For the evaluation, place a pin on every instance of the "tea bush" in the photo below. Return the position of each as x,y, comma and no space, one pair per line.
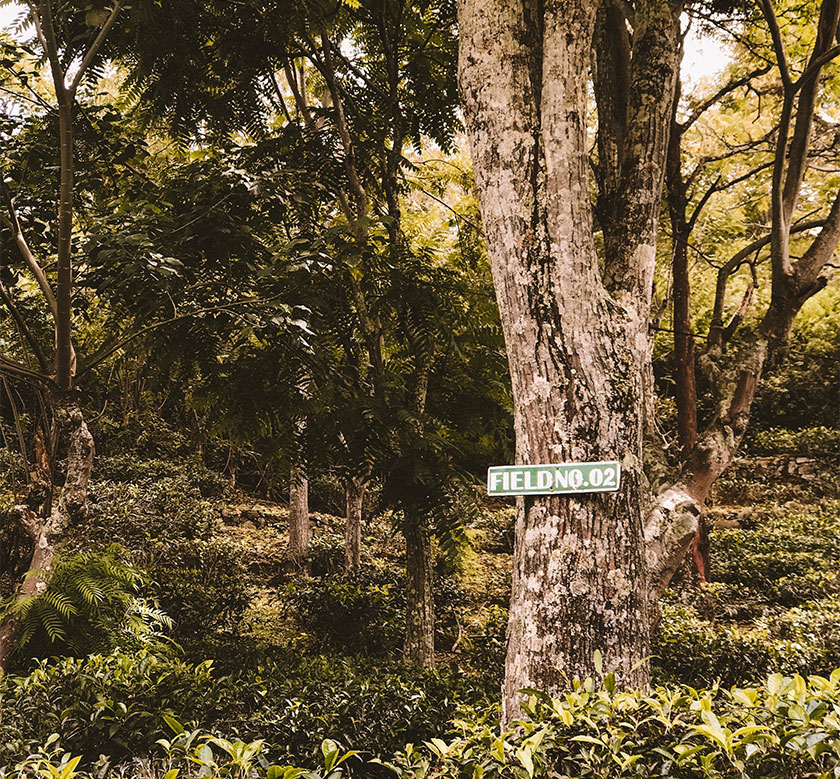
786,560
350,612
101,704
808,441
787,727
169,509
364,611
200,584
114,704
700,652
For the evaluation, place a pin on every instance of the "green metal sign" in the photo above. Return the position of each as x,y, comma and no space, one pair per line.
553,479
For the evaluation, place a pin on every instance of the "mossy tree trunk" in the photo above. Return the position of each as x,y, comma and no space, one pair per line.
354,493
419,598
49,531
588,570
300,527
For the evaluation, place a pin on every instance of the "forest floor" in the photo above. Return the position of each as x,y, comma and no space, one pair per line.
772,598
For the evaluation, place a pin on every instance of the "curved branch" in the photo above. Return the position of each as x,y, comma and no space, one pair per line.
720,94
733,263
6,297
13,223
95,46
15,368
778,44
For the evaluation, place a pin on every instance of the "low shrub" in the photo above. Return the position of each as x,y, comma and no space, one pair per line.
169,509
129,468
353,612
497,530
701,652
103,704
114,704
785,728
786,560
200,584
809,441
363,612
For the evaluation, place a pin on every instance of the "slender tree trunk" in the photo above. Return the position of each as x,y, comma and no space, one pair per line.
419,599
50,532
300,528
354,493
684,374
685,380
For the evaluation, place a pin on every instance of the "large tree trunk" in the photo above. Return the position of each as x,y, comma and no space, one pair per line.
50,532
419,599
577,343
300,528
354,493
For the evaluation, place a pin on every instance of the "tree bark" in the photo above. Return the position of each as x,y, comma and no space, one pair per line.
578,351
586,576
300,528
685,380
354,493
50,532
419,598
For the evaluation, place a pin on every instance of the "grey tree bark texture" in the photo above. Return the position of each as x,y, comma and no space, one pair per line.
354,493
419,596
577,337
300,527
589,570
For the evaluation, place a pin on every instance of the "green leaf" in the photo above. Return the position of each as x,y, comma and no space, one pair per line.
175,726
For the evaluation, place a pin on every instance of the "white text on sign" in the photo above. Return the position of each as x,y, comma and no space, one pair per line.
553,479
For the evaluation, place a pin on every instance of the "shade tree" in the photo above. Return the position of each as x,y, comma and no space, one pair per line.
588,569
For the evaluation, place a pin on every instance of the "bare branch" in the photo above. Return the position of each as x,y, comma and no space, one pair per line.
735,262
720,94
95,46
300,103
356,186
821,250
778,44
15,368
281,99
46,35
739,315
701,205
806,106
816,65
13,223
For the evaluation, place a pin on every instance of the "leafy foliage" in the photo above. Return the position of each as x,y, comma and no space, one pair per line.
782,728
201,585
363,612
90,601
115,704
786,727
